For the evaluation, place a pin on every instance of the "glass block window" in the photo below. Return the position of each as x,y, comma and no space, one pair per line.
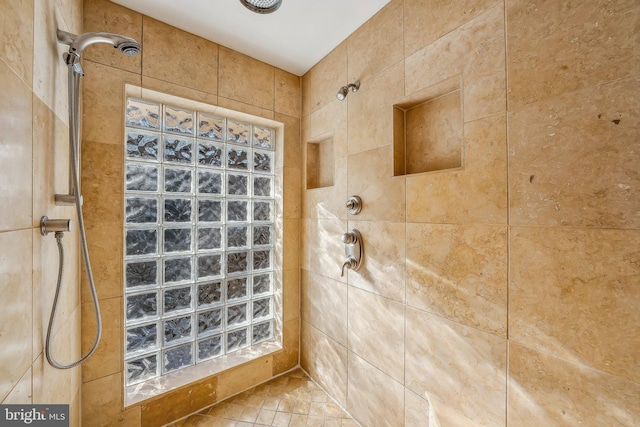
199,237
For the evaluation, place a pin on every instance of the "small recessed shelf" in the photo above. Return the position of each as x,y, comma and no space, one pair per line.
320,168
428,130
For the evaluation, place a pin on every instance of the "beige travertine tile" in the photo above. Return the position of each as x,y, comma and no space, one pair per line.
442,415
161,42
324,305
21,393
416,410
243,107
107,359
16,36
476,50
178,90
288,93
289,356
562,46
102,401
330,119
476,194
325,360
443,358
245,79
71,13
460,273
373,397
377,44
244,376
292,193
376,332
103,103
574,294
105,243
106,16
370,115
371,178
102,171
573,158
544,390
291,297
15,143
287,252
322,247
442,17
16,315
327,202
322,81
383,269
292,156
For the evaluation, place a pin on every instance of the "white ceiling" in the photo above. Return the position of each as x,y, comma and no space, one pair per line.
295,37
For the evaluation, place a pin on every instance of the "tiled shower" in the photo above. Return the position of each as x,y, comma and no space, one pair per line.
501,283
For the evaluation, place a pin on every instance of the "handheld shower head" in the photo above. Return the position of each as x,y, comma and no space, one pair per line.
78,43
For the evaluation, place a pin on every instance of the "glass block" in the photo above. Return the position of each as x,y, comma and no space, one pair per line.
178,150
262,186
237,158
141,338
209,321
237,262
178,328
262,332
142,369
209,265
261,284
238,132
262,162
261,307
177,240
209,210
237,288
177,180
209,293
237,237
177,120
177,210
142,114
262,211
261,260
177,270
211,127
209,182
142,178
210,154
237,210
141,273
141,242
178,357
236,340
209,238
262,137
177,299
142,145
237,185
261,235
140,210
236,314
210,347
142,305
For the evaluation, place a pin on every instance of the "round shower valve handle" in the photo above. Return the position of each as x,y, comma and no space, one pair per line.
348,238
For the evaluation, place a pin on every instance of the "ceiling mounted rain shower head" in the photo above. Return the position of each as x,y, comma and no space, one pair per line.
262,6
344,90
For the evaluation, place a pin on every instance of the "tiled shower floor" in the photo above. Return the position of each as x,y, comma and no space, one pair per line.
291,400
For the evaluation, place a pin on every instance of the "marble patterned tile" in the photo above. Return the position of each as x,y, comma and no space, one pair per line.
416,410
244,107
105,246
288,358
463,367
544,390
21,393
322,81
442,415
288,93
373,397
562,46
292,149
245,79
322,247
240,378
574,294
108,357
324,305
178,90
102,184
573,158
376,332
16,33
460,273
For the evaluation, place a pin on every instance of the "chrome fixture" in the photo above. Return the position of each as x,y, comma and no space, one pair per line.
262,6
353,250
344,90
354,205
77,43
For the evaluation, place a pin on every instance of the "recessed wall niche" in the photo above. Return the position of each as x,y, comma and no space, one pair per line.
320,163
428,130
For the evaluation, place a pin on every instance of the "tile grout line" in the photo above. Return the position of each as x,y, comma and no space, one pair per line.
508,260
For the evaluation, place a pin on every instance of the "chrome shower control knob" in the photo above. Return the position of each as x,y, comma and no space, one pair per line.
354,205
348,238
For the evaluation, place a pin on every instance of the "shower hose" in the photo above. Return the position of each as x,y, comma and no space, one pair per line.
74,81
